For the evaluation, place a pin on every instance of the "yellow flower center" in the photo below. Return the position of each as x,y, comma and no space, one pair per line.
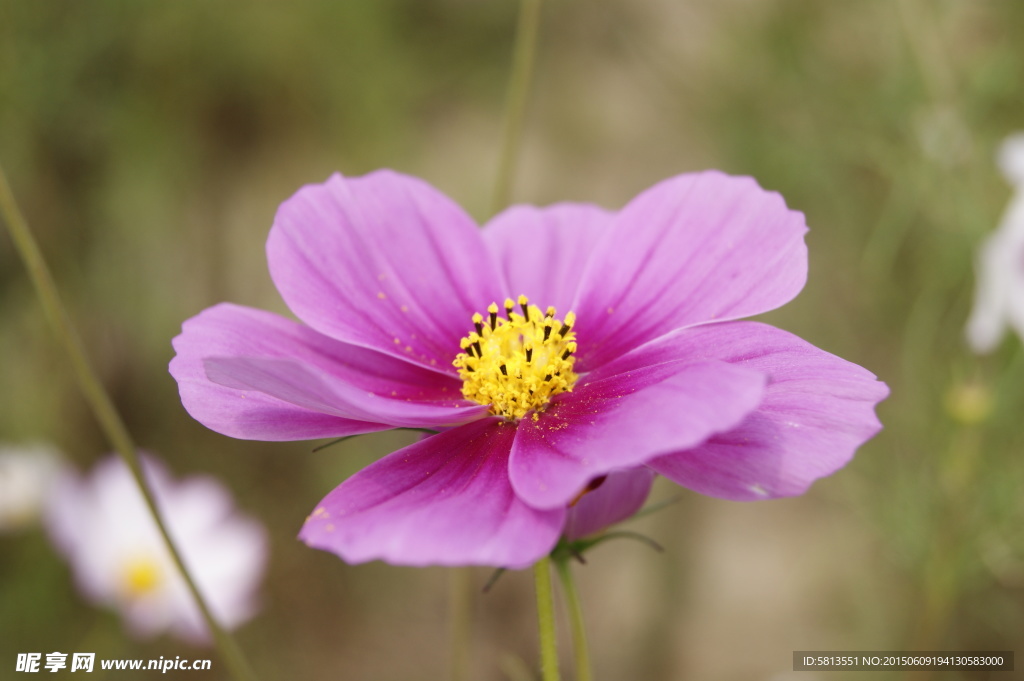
516,364
141,575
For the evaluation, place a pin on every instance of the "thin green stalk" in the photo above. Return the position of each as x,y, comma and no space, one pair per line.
580,649
102,407
546,620
515,112
515,107
460,605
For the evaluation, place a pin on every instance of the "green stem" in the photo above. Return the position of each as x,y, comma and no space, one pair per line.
460,604
546,620
102,406
515,108
460,589
581,650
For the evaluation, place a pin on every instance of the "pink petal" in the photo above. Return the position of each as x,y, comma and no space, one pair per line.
543,251
817,410
383,261
622,494
692,249
232,331
625,420
301,385
445,500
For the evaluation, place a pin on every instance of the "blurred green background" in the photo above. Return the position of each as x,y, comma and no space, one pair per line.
150,144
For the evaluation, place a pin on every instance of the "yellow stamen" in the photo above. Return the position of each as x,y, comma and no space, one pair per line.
141,575
517,364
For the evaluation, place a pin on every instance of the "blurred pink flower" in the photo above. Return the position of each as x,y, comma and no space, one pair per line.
415,318
999,294
103,527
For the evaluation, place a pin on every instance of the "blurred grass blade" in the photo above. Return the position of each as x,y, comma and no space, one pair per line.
102,406
515,108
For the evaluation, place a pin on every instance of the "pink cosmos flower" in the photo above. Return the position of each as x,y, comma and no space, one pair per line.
553,347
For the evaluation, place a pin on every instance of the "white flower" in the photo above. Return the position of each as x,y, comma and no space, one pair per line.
999,296
26,472
103,527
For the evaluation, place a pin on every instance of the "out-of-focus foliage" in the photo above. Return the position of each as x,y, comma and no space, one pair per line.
150,144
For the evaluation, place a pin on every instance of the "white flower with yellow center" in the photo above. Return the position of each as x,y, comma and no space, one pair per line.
103,527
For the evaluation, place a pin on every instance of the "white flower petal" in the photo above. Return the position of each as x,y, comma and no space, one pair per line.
26,472
101,524
999,293
1010,158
